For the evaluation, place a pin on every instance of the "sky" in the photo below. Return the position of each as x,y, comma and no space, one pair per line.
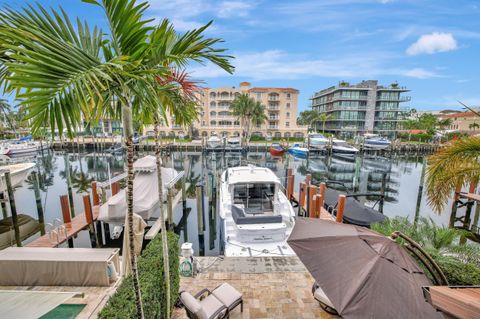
430,46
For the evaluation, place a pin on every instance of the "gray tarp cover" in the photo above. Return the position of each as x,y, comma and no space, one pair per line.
364,274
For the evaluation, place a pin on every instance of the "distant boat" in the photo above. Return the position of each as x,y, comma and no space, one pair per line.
27,226
214,142
18,173
276,149
145,192
375,142
233,143
257,216
297,150
317,141
115,148
340,146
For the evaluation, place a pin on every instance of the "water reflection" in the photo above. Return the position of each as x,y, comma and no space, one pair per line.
399,176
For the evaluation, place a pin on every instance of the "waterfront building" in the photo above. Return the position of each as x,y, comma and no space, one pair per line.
464,122
366,107
215,116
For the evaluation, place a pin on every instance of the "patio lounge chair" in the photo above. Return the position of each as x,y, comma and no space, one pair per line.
212,304
322,298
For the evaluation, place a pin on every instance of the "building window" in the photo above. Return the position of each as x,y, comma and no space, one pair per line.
288,105
288,96
287,124
288,115
259,96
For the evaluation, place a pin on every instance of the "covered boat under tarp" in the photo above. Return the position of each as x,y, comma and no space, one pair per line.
355,212
145,192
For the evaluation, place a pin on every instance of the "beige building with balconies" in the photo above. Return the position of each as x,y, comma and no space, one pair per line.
215,116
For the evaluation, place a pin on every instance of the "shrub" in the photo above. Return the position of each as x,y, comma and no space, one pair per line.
458,272
150,268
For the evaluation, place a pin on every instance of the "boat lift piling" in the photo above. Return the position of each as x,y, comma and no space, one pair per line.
301,197
13,208
67,218
89,218
100,230
312,191
290,183
38,202
199,192
382,192
453,214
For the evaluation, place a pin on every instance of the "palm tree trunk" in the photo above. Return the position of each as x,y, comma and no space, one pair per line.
128,133
323,127
166,261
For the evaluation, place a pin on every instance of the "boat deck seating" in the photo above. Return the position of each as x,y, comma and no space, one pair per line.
241,218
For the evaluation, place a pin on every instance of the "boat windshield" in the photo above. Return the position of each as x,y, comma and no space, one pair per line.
317,136
342,144
256,198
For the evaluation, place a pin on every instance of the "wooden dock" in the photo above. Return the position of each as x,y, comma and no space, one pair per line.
458,302
72,228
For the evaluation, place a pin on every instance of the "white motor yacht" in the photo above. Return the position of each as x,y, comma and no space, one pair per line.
257,216
214,142
317,141
375,142
233,143
342,147
18,173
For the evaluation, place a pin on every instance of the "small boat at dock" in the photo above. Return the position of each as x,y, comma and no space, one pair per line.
342,147
18,173
298,151
276,149
233,144
317,142
257,216
214,142
375,142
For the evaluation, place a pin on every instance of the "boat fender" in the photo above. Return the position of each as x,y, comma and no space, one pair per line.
186,267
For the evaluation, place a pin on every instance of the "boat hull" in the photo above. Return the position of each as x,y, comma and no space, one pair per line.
276,151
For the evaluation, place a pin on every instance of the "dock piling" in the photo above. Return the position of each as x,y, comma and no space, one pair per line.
340,208
89,218
38,202
301,197
311,191
13,208
67,217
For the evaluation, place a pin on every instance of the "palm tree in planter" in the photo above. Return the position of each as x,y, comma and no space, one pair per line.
60,72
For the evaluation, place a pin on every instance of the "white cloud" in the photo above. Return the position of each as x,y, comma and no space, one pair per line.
277,64
227,9
433,43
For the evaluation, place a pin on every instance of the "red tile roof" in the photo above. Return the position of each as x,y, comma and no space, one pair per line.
461,114
278,89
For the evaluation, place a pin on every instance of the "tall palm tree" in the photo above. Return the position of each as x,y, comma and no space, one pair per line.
323,118
456,164
248,111
5,109
60,72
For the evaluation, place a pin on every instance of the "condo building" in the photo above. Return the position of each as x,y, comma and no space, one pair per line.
361,108
215,116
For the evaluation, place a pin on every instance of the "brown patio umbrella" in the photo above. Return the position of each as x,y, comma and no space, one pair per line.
363,273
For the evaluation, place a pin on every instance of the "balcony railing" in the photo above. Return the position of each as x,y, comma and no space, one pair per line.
273,118
399,99
274,108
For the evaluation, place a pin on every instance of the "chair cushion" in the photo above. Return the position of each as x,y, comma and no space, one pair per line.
190,302
209,306
227,294
322,297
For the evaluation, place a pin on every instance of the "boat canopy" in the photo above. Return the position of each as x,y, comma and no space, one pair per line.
250,175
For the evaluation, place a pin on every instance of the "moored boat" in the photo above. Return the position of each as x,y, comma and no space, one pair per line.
297,150
276,149
18,173
375,142
257,216
214,142
316,141
233,143
342,147
27,226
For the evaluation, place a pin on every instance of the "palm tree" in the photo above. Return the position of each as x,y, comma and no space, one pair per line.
456,164
5,109
311,118
258,116
323,118
241,107
60,72
473,126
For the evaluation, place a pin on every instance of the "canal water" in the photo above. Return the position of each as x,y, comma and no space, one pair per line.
361,174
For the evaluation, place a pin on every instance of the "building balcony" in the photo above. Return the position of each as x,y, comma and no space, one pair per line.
272,127
274,108
274,98
274,118
393,99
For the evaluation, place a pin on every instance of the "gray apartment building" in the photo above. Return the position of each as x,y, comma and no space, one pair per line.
361,108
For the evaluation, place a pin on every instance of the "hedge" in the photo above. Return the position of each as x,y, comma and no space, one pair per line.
457,272
150,268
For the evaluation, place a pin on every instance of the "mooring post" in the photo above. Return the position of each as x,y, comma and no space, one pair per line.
340,208
200,218
67,218
13,208
38,202
308,179
89,218
115,188
319,204
169,209
468,212
95,197
98,224
382,191
290,185
323,187
301,197
453,214
312,191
